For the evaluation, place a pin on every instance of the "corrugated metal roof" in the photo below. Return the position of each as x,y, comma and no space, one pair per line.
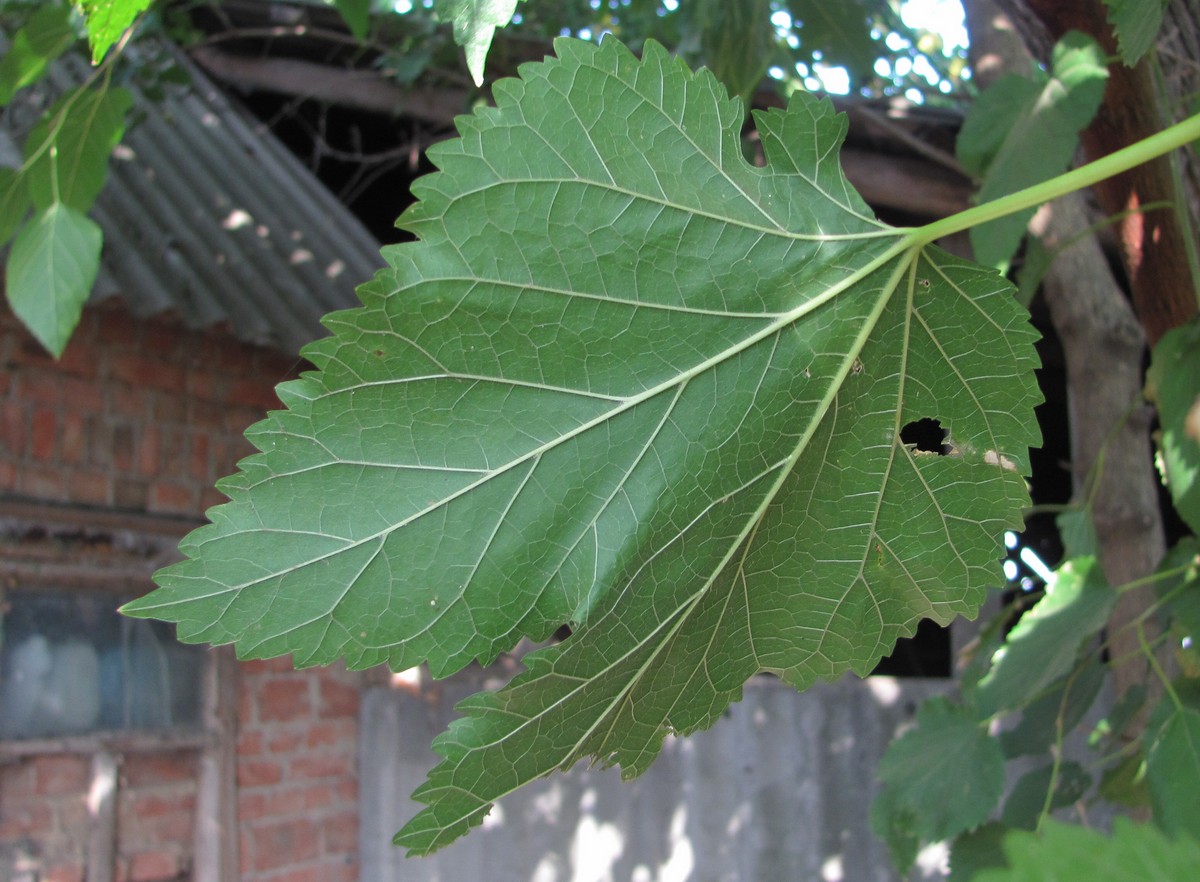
207,214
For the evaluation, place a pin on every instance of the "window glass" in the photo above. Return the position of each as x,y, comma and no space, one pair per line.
70,665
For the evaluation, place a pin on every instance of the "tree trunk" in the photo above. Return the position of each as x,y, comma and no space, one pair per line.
1104,347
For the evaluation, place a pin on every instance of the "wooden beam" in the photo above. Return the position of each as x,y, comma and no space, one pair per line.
102,817
215,855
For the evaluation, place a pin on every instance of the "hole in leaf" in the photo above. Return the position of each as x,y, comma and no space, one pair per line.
926,436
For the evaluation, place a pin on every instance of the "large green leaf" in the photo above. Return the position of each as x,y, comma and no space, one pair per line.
1025,130
625,380
51,268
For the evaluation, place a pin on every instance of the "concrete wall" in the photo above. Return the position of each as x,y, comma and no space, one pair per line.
778,791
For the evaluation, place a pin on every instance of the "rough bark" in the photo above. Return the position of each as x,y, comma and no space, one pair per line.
1154,244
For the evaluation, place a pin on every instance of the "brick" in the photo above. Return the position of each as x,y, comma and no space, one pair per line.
206,417
170,409
27,350
43,433
90,488
336,870
79,358
253,393
41,387
251,806
202,385
12,429
325,765
156,769
58,775
16,781
301,800
258,773
82,396
118,330
338,699
154,866
285,742
173,460
47,483
172,498
260,667
340,833
142,371
133,403
164,341
131,494
122,451
63,873
282,844
149,448
210,497
199,463
72,440
8,476
250,743
156,803
331,732
26,818
284,700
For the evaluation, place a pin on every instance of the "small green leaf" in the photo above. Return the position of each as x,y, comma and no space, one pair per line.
1125,783
1181,589
1068,701
356,14
1070,853
14,203
50,272
45,37
1023,131
1044,645
897,827
1136,24
1173,384
1128,705
67,151
1027,803
948,773
1173,773
1075,526
839,33
738,41
107,20
977,850
475,23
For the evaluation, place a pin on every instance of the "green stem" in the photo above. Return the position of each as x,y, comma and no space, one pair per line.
1085,176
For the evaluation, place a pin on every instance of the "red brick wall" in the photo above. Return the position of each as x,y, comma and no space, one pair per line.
137,415
297,773
145,416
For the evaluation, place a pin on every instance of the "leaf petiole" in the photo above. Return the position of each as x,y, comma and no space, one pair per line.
1085,176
